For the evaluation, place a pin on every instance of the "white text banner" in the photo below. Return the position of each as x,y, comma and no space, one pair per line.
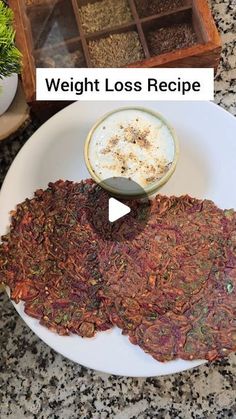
125,84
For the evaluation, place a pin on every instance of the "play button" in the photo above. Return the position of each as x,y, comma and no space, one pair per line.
117,210
117,217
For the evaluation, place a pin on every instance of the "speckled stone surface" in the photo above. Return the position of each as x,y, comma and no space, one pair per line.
35,382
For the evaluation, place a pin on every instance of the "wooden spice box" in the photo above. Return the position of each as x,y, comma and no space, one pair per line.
58,33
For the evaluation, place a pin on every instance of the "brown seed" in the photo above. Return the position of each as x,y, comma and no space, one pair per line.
104,14
152,7
171,38
116,50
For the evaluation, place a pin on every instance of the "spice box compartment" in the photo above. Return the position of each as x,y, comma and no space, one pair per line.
132,33
68,55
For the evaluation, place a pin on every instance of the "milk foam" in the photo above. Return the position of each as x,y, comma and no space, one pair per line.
133,144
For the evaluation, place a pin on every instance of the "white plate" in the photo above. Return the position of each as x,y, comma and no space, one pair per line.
206,169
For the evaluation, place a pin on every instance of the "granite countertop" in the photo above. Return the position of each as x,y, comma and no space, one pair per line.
36,382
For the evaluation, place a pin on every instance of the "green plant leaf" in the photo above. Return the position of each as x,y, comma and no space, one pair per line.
10,56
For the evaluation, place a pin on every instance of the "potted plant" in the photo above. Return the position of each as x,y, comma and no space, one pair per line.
10,59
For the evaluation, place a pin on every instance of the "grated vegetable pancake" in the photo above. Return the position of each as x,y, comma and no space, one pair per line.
171,287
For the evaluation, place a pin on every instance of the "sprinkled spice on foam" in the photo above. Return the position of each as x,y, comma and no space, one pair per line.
124,164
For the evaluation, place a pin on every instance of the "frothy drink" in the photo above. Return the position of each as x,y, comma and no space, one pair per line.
133,144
